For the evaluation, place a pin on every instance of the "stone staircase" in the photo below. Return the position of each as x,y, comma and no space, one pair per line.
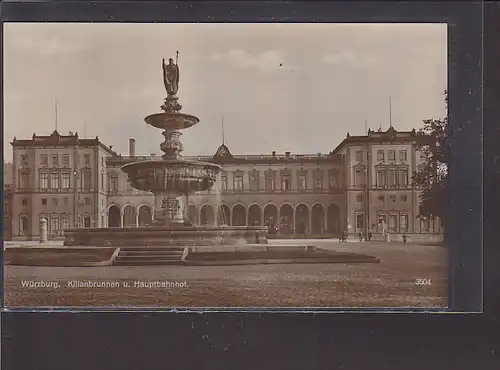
134,256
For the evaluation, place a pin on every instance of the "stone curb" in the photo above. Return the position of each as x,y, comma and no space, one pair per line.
74,264
275,262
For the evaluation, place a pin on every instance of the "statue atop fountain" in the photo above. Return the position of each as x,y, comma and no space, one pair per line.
171,83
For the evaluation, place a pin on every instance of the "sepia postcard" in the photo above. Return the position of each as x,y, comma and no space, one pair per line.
223,166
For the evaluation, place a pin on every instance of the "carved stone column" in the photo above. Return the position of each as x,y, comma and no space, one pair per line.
172,146
43,230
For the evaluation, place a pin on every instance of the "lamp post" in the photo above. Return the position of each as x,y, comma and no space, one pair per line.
75,190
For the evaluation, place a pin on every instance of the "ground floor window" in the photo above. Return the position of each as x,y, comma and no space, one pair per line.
360,220
424,225
86,221
393,223
64,222
381,222
23,225
54,225
403,223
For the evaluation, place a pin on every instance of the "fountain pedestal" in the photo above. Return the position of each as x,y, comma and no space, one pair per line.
169,210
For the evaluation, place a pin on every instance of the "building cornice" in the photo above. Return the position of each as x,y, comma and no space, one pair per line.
391,136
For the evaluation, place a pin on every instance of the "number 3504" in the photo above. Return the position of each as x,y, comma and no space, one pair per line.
423,282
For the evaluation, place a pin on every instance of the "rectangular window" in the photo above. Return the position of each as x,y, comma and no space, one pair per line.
44,201
403,223
358,178
393,198
380,155
65,180
54,225
23,225
86,179
404,198
223,182
86,201
270,183
24,179
393,223
333,179
381,221
44,180
392,178
64,222
302,182
381,178
392,155
425,225
359,198
381,199
54,180
44,160
359,156
360,220
55,160
238,183
285,182
86,221
403,178
25,202
318,182
254,181
65,160
24,159
65,200
86,159
113,184
403,157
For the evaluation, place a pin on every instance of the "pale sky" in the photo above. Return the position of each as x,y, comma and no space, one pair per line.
107,77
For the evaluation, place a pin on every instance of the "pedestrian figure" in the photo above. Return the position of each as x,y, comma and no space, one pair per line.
404,238
360,236
370,235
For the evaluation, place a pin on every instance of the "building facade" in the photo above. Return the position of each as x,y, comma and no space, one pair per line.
379,192
294,194
59,178
364,181
7,201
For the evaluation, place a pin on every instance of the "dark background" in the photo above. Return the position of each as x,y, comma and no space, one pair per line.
286,341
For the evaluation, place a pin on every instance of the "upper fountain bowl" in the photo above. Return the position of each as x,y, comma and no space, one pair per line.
171,121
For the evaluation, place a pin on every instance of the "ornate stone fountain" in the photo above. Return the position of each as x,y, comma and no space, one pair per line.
171,179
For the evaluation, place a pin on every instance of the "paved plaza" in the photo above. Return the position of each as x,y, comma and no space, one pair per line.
394,282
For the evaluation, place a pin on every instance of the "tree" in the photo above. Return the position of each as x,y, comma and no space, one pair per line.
432,175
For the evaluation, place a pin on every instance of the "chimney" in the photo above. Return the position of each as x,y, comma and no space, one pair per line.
131,147
274,153
287,154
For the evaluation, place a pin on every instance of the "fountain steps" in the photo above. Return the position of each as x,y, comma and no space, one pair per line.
149,256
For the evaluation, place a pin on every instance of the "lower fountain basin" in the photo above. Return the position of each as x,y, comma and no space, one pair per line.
172,175
166,236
